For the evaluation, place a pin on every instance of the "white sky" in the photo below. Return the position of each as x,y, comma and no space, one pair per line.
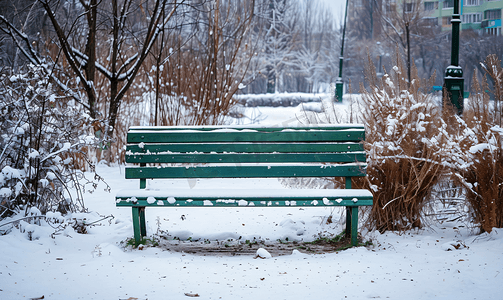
337,7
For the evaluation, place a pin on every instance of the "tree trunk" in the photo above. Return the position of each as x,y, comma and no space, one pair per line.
90,52
408,52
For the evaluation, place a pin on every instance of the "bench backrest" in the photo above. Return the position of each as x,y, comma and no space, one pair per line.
240,152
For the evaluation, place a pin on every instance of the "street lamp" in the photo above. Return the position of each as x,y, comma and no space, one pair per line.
379,72
453,80
339,84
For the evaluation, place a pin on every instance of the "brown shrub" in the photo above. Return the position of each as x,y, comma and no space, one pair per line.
480,168
485,194
403,143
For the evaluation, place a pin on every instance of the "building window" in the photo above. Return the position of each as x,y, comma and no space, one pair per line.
448,4
430,5
493,31
389,5
492,14
429,22
471,2
472,18
446,21
408,7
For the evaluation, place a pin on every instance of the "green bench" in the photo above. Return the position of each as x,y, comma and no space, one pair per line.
244,152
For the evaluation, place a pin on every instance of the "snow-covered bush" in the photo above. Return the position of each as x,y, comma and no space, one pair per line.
477,163
403,142
415,147
42,145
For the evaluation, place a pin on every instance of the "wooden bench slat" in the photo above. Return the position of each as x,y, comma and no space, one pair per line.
247,127
260,202
230,197
246,136
247,158
206,171
244,147
226,192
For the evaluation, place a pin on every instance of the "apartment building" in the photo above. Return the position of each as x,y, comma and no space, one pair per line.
483,15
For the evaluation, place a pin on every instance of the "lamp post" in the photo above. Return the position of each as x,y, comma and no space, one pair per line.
339,84
453,80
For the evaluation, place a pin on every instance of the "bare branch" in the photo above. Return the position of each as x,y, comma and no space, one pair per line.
32,56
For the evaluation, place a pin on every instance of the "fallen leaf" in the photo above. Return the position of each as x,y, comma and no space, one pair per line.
329,220
191,295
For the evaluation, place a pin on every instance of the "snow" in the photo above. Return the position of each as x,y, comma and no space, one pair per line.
446,261
150,200
9,172
33,154
483,146
5,192
262,253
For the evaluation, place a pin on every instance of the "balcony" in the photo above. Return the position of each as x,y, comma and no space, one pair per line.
491,23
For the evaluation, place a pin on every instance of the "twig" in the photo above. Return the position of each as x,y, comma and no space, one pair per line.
107,217
22,219
391,201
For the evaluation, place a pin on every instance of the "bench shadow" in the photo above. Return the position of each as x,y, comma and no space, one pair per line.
239,248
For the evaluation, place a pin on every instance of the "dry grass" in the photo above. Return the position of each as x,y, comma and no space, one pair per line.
485,194
480,169
403,143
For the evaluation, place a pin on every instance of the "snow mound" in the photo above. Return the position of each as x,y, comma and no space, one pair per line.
262,253
453,245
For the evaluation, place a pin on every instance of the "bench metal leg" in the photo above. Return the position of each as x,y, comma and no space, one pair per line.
139,227
143,226
348,221
351,219
352,224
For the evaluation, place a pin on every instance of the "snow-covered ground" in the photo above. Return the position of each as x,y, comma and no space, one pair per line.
446,261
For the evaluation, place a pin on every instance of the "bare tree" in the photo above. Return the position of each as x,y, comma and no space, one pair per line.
402,23
120,24
363,19
282,31
215,62
22,30
474,49
316,58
